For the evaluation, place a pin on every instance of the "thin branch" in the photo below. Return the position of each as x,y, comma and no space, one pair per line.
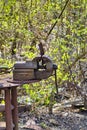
57,20
75,61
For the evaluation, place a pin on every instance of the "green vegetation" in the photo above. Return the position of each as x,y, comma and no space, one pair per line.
63,32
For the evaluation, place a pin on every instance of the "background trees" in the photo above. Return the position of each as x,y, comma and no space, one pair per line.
25,23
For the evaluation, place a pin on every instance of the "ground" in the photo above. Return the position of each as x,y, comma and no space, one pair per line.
62,119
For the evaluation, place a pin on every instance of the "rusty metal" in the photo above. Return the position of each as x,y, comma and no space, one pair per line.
41,49
24,70
10,90
9,124
22,82
15,110
44,67
41,67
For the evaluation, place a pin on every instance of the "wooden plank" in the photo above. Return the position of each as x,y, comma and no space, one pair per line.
2,126
2,107
15,110
8,111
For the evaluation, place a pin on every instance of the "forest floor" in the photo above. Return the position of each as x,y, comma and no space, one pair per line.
64,117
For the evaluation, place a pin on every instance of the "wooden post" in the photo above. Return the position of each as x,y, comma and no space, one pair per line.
15,110
9,123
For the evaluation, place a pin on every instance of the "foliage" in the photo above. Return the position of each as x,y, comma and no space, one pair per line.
25,23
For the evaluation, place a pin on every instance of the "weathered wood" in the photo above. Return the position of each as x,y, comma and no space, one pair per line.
85,101
2,126
21,108
2,107
10,97
24,108
15,110
9,122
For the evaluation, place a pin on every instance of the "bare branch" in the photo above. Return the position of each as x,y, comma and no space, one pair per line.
75,61
57,20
